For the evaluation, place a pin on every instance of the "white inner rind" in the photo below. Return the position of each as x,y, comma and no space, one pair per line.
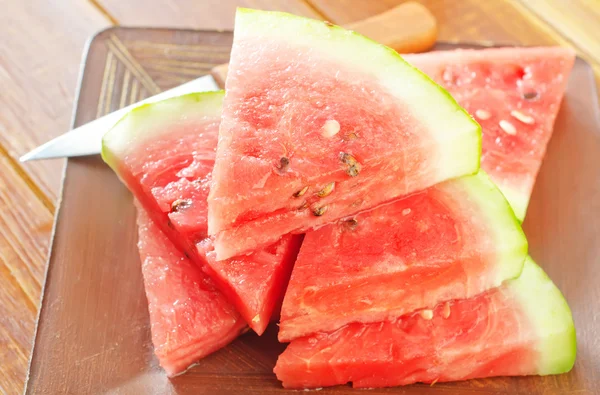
508,237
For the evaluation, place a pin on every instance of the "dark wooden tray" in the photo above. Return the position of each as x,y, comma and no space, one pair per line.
93,333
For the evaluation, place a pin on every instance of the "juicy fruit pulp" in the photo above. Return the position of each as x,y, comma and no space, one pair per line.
189,317
164,152
523,327
451,241
319,123
515,94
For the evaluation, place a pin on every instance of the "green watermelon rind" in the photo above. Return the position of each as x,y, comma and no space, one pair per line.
519,201
548,311
509,238
454,130
149,121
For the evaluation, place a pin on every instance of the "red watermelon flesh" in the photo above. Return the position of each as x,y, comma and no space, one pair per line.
164,152
319,123
523,327
259,279
515,94
189,317
451,241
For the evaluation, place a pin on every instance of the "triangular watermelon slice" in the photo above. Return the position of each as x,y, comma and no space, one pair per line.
451,241
320,123
189,317
524,327
164,153
515,94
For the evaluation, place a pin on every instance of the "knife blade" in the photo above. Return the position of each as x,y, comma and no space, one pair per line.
87,139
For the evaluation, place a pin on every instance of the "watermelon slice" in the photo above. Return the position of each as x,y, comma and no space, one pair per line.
189,317
320,123
451,241
164,152
522,328
515,94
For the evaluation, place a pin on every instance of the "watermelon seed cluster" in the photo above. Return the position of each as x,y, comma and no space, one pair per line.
353,167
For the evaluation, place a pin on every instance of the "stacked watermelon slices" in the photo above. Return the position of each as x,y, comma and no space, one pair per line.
413,266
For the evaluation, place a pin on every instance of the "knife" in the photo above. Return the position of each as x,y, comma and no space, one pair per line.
409,27
87,139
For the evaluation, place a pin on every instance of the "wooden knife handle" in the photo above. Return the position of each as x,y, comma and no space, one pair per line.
407,28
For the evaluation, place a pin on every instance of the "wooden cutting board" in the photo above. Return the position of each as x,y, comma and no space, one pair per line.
93,331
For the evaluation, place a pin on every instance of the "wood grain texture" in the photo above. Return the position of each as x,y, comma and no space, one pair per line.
40,52
40,49
25,224
193,14
17,324
577,21
93,335
465,20
171,64
579,32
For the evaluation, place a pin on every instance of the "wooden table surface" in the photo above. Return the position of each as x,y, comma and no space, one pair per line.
41,44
